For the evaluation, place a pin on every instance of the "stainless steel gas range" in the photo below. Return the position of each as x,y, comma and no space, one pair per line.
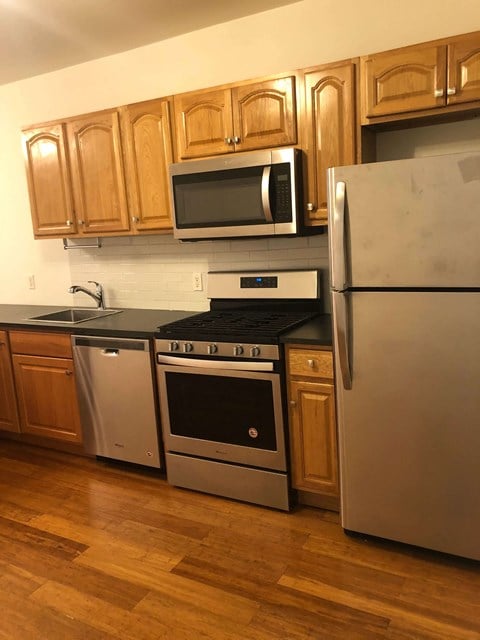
222,388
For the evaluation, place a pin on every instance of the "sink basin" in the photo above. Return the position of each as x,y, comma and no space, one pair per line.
72,316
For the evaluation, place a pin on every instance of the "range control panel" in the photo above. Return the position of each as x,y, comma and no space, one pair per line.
287,285
259,282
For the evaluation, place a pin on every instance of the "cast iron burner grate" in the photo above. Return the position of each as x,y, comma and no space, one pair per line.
231,324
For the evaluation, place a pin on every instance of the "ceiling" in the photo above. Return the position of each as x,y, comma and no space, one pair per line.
38,36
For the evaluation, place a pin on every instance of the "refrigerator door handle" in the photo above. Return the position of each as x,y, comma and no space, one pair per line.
338,249
342,336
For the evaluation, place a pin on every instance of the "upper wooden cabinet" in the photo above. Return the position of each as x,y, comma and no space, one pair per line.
463,79
49,183
436,76
236,118
75,177
8,405
328,131
97,173
148,152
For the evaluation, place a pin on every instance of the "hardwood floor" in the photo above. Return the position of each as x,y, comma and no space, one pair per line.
90,551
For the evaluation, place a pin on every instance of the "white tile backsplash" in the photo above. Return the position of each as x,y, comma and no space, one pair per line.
155,272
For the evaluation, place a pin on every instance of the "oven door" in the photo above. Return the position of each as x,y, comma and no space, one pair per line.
214,409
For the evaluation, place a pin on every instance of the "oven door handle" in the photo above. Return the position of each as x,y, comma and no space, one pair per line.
215,364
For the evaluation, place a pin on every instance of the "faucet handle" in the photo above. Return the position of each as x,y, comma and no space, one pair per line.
97,284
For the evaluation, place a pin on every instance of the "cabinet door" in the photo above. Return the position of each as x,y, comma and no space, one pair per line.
47,398
49,184
148,154
97,173
8,405
203,121
406,80
328,131
264,114
464,70
313,437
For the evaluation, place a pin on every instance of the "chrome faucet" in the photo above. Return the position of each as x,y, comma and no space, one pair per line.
97,295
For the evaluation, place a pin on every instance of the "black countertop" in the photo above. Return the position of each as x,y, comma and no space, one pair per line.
141,323
131,323
317,331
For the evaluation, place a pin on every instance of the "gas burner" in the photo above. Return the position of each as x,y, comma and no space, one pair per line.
253,326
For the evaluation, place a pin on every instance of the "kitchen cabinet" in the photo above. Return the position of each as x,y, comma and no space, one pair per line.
49,181
148,152
313,435
76,178
99,189
232,118
327,129
443,76
45,385
8,405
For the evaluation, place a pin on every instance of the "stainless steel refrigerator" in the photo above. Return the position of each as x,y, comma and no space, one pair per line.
404,240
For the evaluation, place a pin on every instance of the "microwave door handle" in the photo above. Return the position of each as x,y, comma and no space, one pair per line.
265,193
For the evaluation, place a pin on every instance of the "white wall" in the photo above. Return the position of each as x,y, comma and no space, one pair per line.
299,35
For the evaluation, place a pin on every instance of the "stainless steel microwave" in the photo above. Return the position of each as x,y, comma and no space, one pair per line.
244,195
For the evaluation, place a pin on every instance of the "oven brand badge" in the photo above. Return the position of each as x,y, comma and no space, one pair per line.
252,432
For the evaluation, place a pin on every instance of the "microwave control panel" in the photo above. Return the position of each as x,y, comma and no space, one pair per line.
281,198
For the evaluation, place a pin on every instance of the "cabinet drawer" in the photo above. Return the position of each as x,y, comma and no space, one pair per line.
56,345
310,362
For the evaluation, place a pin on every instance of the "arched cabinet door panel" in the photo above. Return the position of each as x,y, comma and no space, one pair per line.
264,114
49,184
97,173
328,131
148,152
464,70
203,121
410,79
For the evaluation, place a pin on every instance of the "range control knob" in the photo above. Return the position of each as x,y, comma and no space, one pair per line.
173,346
255,351
187,347
212,348
237,350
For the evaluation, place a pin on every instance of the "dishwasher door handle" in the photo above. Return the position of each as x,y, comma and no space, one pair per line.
110,353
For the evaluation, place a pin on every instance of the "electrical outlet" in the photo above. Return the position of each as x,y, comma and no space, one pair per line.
197,283
31,282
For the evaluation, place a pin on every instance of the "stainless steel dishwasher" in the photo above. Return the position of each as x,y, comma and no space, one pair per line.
116,398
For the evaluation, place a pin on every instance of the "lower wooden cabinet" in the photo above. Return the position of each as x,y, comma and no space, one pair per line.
8,405
45,385
313,432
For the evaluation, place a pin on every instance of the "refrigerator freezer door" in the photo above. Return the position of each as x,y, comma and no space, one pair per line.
406,223
409,428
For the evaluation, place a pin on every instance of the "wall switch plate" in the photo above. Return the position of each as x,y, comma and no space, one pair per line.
197,283
31,282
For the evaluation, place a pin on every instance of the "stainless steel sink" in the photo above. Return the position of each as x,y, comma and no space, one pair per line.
73,316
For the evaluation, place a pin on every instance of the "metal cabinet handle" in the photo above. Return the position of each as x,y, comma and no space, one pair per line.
438,93
451,91
236,139
135,218
293,403
68,372
228,141
69,223
81,222
310,206
311,363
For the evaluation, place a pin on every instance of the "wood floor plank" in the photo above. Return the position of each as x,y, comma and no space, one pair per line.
97,614
132,564
396,613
